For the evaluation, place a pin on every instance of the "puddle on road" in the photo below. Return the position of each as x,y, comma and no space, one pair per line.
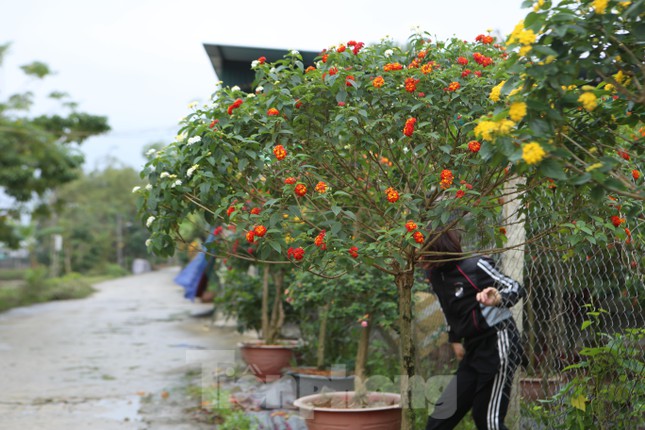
124,409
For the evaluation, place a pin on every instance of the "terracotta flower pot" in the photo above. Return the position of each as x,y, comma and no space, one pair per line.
267,362
310,380
384,415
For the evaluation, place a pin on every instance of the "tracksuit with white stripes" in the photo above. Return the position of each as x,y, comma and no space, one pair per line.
490,337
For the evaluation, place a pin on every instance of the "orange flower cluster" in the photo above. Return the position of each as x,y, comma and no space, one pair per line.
290,180
341,48
411,84
410,226
446,178
392,66
353,252
300,190
454,86
408,130
392,195
310,69
485,39
348,80
296,253
259,230
255,211
616,220
426,68
636,174
474,146
273,112
414,64
321,187
482,59
250,236
236,104
319,241
378,82
213,123
462,61
418,237
279,152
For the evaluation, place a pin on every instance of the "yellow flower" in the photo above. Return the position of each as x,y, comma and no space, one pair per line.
526,37
513,37
589,101
485,129
625,4
514,91
550,59
593,150
525,50
538,5
610,87
288,239
619,77
496,92
593,167
533,153
517,111
600,6
505,126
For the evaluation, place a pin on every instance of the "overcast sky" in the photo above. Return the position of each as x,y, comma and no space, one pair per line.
141,62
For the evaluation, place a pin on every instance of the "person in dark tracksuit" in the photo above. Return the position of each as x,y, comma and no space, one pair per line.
475,298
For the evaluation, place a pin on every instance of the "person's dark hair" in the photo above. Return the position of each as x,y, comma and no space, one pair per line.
442,247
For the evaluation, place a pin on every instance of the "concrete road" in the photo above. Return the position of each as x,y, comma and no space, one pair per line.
93,363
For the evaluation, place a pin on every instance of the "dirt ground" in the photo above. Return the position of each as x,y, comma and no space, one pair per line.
119,359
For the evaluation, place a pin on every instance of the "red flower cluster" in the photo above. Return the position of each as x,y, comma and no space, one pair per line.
636,174
353,251
474,146
290,180
462,60
411,84
279,152
296,253
310,69
356,46
321,187
325,57
300,190
418,237
391,194
482,59
218,230
378,82
262,60
485,39
250,236
460,194
446,178
341,48
465,73
454,86
502,230
341,104
410,226
236,104
230,211
333,71
616,220
273,112
392,66
623,154
298,104
319,241
478,73
348,80
409,126
213,123
260,230
255,211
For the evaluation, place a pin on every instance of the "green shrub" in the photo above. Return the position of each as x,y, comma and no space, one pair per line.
12,274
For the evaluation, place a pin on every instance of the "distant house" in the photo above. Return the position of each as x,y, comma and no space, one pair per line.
232,64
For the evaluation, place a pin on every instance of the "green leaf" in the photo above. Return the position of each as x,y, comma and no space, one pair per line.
585,324
552,169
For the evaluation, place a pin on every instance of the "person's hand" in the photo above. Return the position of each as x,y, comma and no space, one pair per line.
489,297
459,350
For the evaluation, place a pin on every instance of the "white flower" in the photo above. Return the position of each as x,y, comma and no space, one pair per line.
191,170
272,70
148,243
194,139
294,52
151,152
250,96
149,187
180,137
135,189
192,105
149,221
388,53
254,64
416,30
176,183
152,168
164,175
235,88
259,89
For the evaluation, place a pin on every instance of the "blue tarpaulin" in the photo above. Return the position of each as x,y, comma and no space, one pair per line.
191,275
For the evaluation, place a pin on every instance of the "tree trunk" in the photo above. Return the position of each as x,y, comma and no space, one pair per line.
361,360
277,311
404,282
265,302
322,336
